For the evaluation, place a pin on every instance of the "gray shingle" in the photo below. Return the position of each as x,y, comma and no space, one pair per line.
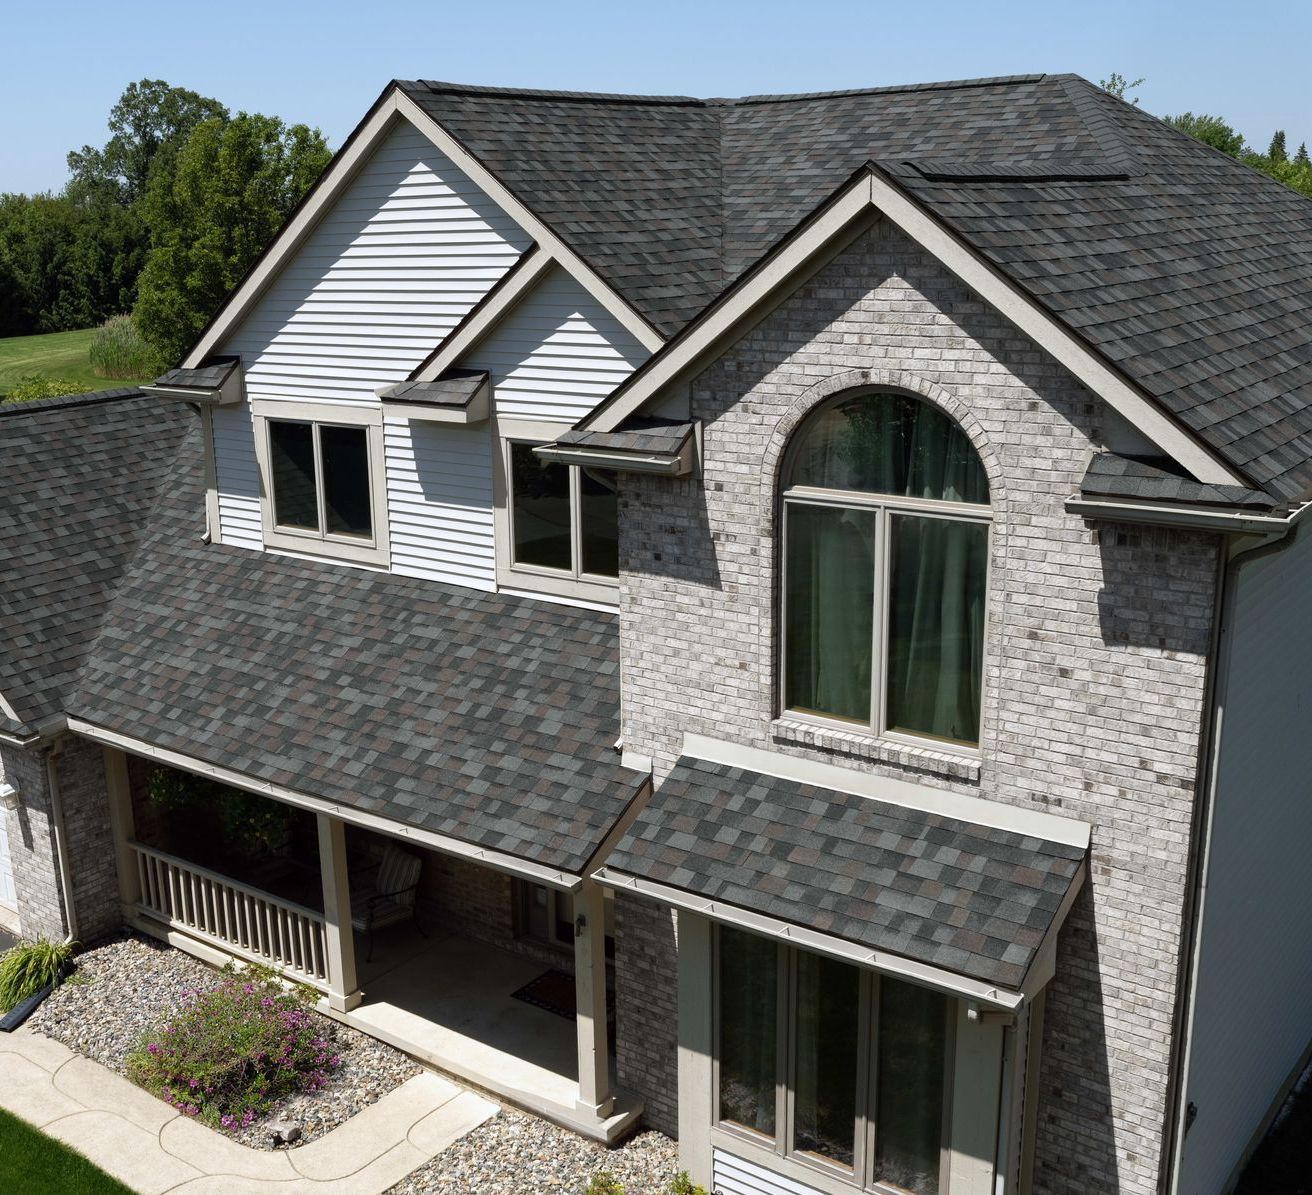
1113,476
875,874
455,388
485,717
81,474
209,376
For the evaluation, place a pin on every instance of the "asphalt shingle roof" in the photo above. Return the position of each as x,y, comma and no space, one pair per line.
209,376
485,717
455,388
80,476
1113,476
971,899
637,435
1187,271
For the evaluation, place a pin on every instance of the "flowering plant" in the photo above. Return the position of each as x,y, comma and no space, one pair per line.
231,1052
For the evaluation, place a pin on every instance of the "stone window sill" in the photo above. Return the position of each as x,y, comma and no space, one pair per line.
855,745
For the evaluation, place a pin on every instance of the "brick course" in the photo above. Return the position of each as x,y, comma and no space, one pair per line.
1095,660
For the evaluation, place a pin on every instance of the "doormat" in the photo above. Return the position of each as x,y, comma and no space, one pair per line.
554,991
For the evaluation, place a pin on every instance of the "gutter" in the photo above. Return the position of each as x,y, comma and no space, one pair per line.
43,732
1233,557
661,464
1229,522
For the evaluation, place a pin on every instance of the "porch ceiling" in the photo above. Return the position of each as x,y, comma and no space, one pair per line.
482,717
978,901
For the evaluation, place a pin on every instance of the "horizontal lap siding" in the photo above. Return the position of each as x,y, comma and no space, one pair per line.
733,1176
558,354
238,477
401,256
439,502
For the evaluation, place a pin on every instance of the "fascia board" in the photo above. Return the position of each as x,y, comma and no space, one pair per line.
495,189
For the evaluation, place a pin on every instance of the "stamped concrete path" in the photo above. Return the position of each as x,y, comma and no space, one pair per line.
149,1147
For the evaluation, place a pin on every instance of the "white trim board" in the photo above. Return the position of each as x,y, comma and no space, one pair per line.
498,860
396,105
870,191
978,811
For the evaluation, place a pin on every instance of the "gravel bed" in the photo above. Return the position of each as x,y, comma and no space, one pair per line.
517,1154
126,987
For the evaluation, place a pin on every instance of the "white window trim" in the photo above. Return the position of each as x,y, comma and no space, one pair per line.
375,550
885,506
527,578
778,1153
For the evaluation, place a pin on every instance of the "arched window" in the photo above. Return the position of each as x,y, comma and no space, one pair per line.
885,559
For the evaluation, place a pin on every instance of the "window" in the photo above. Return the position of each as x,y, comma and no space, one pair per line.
323,482
561,522
836,1068
885,569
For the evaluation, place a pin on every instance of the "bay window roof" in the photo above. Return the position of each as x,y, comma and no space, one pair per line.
975,900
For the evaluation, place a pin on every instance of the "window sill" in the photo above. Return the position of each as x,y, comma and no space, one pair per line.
854,744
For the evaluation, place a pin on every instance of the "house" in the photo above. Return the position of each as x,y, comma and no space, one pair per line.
823,574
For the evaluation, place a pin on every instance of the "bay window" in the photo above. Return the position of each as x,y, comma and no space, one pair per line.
885,568
838,1069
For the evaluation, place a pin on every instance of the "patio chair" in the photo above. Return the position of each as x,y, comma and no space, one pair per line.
390,898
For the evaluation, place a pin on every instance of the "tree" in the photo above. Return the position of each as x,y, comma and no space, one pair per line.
1276,151
1122,88
149,123
1210,130
232,186
1301,160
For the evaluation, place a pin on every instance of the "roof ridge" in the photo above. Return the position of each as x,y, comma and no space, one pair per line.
33,406
439,86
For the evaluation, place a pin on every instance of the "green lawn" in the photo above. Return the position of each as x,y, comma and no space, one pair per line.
53,355
35,1164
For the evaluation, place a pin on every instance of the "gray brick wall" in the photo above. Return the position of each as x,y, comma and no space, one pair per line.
32,845
1095,662
647,1008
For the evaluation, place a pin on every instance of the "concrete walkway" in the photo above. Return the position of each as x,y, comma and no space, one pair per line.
151,1148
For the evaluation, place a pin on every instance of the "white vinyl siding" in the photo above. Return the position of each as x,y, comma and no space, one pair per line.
439,501
398,260
237,477
1252,1014
557,354
736,1176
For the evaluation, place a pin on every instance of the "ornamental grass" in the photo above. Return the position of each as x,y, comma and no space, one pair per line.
233,1051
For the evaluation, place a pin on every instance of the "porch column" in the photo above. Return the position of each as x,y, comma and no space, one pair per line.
123,824
343,990
595,1098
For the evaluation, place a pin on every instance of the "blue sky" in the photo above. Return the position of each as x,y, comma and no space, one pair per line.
324,63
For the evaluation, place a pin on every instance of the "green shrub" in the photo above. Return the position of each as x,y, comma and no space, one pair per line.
683,1185
118,350
604,1183
233,1051
28,967
33,385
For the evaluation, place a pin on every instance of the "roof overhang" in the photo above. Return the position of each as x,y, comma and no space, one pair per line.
460,396
565,881
215,384
632,452
870,194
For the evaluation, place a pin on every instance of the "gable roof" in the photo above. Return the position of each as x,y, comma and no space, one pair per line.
1187,273
480,717
81,475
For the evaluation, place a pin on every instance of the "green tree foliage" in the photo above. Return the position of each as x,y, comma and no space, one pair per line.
1276,152
1210,130
231,187
1121,87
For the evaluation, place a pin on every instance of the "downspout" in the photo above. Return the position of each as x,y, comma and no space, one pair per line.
61,839
1236,553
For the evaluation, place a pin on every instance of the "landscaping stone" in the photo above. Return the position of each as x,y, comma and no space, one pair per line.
123,989
518,1154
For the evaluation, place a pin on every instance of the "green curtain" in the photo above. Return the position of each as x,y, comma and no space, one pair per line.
749,1020
827,1047
910,1089
829,600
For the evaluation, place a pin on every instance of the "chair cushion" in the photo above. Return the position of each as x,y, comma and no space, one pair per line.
398,874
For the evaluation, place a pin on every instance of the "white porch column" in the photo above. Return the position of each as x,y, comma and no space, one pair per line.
343,989
595,1098
123,824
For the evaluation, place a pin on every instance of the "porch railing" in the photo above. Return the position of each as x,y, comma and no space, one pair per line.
241,920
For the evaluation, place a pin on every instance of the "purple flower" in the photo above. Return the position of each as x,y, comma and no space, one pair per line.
152,1048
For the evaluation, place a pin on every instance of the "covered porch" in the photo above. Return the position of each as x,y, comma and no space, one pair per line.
466,988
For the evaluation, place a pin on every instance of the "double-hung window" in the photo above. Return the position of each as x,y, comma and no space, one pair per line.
838,1069
560,530
885,569
323,491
